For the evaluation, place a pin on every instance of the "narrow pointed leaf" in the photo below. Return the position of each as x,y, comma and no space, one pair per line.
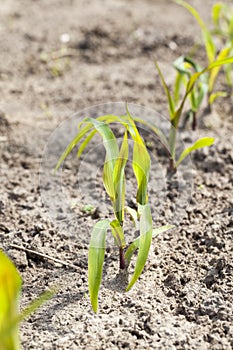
81,133
85,142
119,179
209,44
214,72
203,142
118,234
216,10
144,243
96,259
216,95
112,151
135,244
155,129
141,161
192,82
10,288
167,92
134,215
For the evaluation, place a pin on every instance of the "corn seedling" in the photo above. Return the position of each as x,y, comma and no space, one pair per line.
10,317
114,182
185,67
222,19
212,52
176,111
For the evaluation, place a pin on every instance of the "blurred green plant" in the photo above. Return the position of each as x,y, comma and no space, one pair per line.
115,185
185,67
176,105
10,291
222,18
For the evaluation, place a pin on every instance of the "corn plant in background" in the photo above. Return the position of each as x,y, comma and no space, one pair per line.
223,27
114,182
10,291
176,107
185,67
222,19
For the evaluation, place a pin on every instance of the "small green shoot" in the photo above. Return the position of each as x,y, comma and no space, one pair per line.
114,181
222,17
176,109
10,291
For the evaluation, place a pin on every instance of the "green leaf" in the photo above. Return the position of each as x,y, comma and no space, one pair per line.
118,234
112,151
215,95
33,306
96,259
10,288
216,10
192,82
155,129
180,79
81,133
183,64
133,214
203,142
144,243
135,244
215,71
141,161
209,44
86,142
119,180
171,103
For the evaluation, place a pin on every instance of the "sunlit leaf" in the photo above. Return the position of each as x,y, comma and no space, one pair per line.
192,82
119,179
135,244
203,142
155,129
171,103
141,161
214,72
146,228
133,214
118,234
216,10
84,144
81,133
112,151
209,44
216,95
96,259
10,288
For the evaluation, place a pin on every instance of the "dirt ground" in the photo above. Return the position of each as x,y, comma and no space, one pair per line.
183,299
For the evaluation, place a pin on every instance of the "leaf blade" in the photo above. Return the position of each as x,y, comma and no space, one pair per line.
144,243
96,255
10,288
171,103
135,244
203,142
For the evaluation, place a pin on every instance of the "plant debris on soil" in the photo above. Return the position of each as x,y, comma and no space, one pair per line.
183,299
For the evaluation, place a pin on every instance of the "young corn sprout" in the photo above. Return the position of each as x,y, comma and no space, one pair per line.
213,53
222,19
114,181
176,110
10,317
185,66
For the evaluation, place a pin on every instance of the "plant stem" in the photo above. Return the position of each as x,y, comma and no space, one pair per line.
194,123
172,141
122,258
